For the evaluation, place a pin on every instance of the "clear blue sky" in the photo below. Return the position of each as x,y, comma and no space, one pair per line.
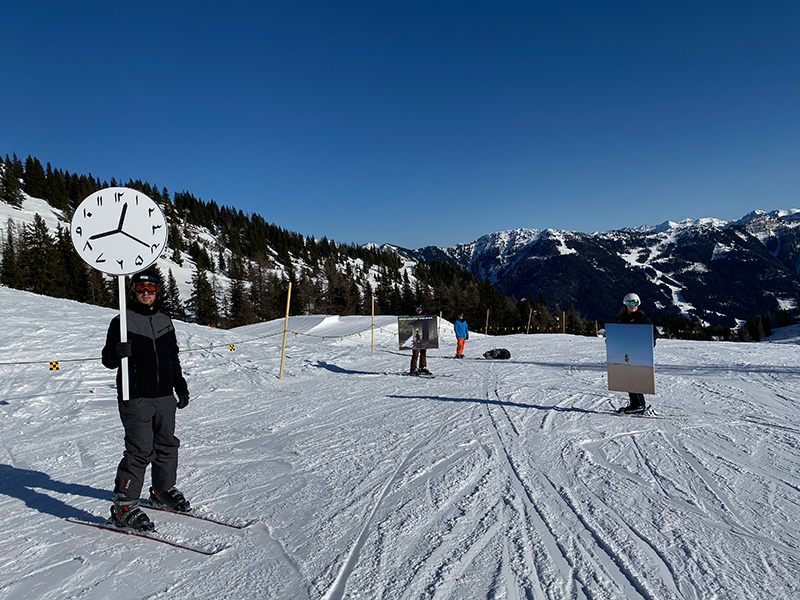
338,118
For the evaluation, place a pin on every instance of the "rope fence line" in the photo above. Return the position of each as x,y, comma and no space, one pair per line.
231,345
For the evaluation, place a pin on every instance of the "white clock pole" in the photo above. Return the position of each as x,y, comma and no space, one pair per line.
119,232
123,337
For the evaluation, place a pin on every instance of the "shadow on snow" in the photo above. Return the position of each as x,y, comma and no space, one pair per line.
24,483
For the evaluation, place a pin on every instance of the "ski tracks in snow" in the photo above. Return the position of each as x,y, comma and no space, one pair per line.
337,590
576,557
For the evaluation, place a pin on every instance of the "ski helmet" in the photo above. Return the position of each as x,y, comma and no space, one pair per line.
631,300
147,276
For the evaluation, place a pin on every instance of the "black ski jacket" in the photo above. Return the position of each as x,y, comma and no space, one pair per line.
636,317
154,368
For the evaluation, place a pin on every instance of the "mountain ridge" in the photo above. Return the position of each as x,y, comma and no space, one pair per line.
707,269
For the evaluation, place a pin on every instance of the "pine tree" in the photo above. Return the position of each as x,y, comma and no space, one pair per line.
10,191
56,189
221,260
100,290
171,299
203,301
36,257
34,179
11,274
240,309
71,277
16,166
767,323
256,276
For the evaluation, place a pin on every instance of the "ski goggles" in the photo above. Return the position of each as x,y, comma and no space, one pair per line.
140,287
631,303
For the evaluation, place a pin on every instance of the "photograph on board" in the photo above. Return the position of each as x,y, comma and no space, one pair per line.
629,358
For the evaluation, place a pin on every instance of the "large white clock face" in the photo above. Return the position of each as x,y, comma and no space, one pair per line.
119,231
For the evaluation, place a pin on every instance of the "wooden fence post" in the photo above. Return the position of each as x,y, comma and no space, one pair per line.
285,327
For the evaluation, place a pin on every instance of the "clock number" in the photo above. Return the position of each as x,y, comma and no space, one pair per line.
89,246
156,228
99,201
79,231
118,196
153,248
87,214
119,262
139,260
99,258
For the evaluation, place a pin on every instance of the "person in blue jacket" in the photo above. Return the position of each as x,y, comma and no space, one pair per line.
462,334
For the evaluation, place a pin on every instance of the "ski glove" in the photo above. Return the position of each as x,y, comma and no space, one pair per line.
183,400
123,349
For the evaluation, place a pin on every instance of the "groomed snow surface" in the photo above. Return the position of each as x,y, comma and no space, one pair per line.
502,479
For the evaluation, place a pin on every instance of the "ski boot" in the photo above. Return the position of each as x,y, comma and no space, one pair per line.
424,371
171,499
126,514
632,409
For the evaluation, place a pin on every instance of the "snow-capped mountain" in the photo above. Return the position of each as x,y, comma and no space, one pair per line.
715,271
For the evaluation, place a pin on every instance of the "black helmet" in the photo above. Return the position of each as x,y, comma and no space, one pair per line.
147,276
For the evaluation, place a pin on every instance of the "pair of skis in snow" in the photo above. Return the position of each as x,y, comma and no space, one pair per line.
648,413
167,539
428,375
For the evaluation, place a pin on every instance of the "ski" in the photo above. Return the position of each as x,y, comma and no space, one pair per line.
648,413
431,376
203,516
660,415
152,535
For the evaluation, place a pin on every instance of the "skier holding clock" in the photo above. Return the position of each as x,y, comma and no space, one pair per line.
149,416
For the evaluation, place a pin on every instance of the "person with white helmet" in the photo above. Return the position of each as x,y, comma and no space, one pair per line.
633,314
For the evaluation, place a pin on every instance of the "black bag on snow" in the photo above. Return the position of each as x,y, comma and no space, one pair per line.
497,354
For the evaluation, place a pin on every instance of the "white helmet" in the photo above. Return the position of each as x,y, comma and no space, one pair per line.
631,300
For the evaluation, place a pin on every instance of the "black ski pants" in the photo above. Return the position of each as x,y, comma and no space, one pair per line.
149,440
637,400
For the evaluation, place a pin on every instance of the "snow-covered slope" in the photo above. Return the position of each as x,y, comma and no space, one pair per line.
497,479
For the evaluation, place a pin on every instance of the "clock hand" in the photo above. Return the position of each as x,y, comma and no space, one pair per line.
122,216
119,227
105,234
135,239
